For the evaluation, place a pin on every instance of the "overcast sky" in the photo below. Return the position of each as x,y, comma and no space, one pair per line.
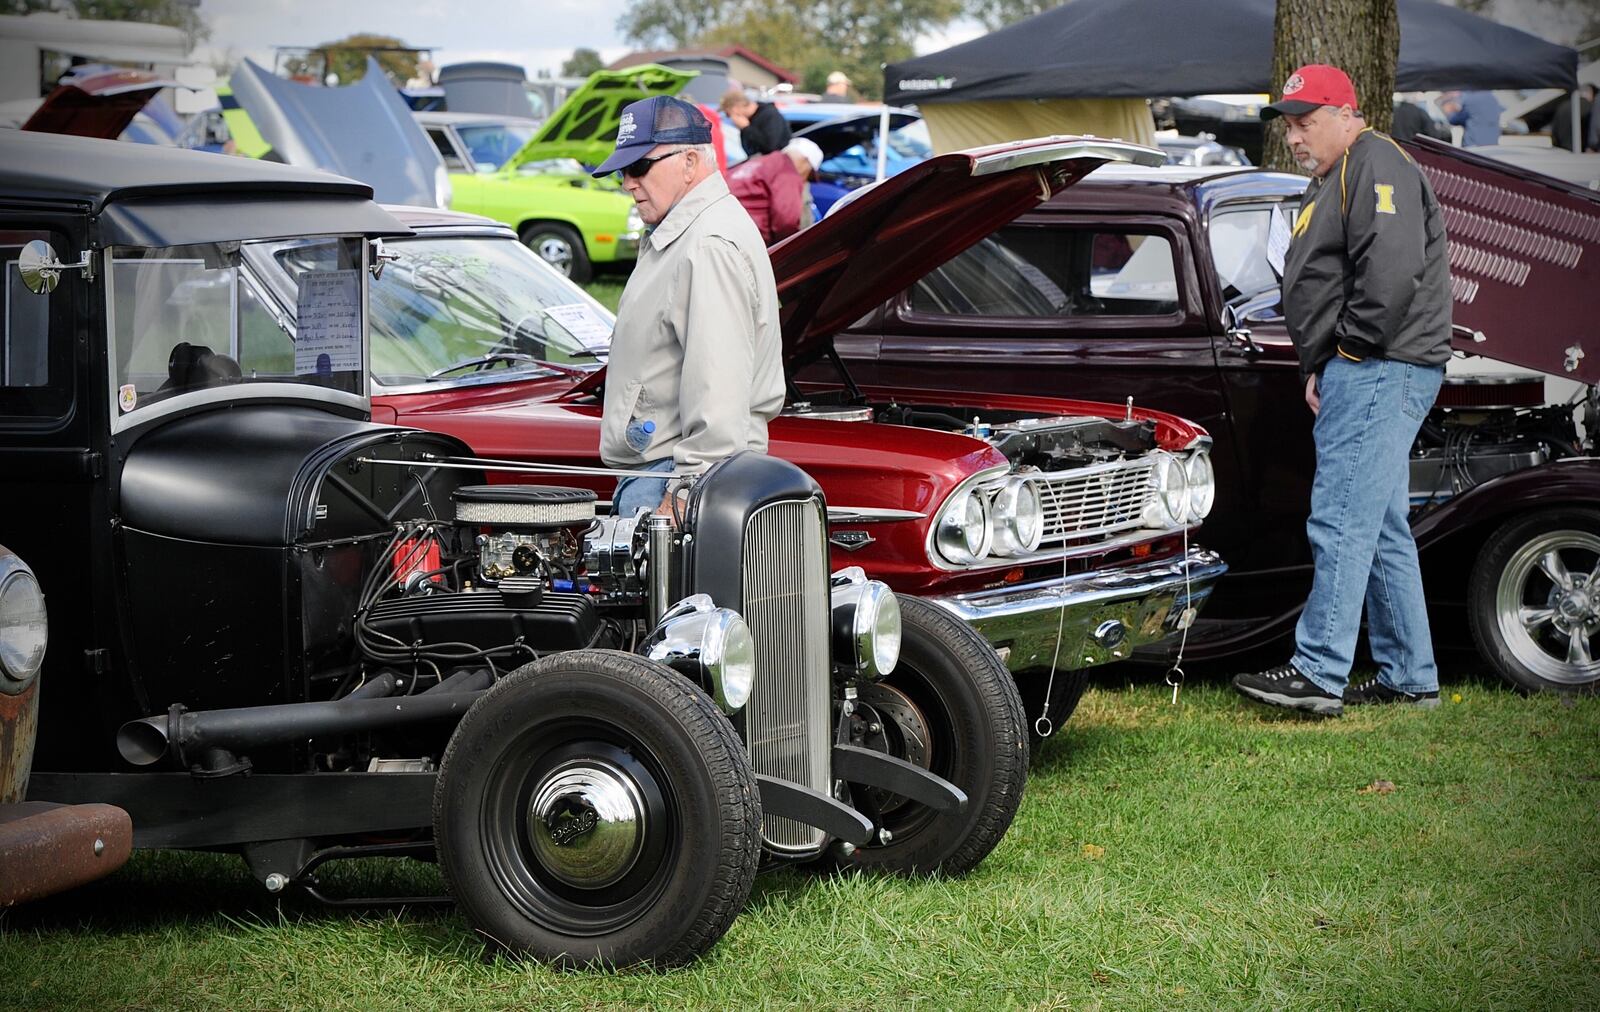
538,34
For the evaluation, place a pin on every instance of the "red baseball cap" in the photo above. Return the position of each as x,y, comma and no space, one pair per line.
1311,87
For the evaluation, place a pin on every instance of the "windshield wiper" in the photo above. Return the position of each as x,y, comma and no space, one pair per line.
483,360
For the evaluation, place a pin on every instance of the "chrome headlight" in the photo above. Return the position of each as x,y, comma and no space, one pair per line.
866,623
1202,481
1018,518
1169,506
24,630
635,221
708,644
962,534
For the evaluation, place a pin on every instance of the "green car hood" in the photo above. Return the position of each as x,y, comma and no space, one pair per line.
585,127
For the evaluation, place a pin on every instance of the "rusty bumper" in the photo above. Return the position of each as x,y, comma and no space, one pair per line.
45,848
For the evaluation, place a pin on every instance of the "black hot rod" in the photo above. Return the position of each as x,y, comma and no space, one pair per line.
280,629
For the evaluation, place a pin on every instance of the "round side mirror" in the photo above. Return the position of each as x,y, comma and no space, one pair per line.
40,269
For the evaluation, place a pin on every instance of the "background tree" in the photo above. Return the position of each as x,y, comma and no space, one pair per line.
347,57
582,63
181,14
855,36
1361,37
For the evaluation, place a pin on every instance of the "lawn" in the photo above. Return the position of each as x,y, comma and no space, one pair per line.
1200,855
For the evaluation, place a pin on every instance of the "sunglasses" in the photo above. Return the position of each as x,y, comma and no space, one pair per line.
640,168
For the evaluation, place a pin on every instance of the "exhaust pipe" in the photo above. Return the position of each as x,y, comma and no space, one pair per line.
145,742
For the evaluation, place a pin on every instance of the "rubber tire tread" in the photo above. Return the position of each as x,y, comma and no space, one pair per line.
1482,585
1000,775
582,267
726,759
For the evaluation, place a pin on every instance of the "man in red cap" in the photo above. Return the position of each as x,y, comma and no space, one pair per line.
1366,297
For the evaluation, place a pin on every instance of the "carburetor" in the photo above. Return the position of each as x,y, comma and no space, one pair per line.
525,531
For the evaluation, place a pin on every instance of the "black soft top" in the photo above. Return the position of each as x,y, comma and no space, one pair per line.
144,195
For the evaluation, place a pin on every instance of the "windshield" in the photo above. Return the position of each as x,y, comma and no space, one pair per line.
1239,246
454,308
907,146
186,318
491,144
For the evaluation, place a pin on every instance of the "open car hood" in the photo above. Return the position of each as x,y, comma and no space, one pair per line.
96,102
1524,261
585,126
900,229
364,131
837,135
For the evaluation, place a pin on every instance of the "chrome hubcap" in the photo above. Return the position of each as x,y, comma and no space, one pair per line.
587,823
1548,605
556,252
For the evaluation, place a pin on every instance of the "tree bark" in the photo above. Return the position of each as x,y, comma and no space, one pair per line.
1360,37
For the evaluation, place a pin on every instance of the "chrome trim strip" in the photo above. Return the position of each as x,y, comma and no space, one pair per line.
870,515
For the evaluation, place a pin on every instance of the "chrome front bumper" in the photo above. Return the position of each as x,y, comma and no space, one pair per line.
1102,615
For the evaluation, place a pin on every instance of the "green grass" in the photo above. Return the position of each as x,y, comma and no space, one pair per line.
607,289
1210,854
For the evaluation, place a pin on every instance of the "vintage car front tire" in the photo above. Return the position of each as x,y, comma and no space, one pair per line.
595,808
561,247
1540,633
951,690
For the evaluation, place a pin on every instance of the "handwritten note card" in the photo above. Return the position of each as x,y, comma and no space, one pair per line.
1277,240
583,322
329,315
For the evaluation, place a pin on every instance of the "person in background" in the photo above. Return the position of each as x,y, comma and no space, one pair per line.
1366,299
695,371
1477,113
772,188
838,89
1561,123
1412,120
762,128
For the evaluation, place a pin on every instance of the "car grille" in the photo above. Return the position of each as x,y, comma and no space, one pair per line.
1091,501
787,725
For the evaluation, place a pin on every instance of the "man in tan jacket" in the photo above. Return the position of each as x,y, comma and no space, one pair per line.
696,370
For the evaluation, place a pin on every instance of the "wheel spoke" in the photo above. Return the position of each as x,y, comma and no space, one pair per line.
1533,618
1578,647
1551,565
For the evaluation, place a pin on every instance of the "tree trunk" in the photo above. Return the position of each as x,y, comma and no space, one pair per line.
1360,37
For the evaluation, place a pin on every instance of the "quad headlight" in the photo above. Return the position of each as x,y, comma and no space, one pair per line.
24,629
1169,506
635,223
866,623
962,533
709,644
1017,518
1202,481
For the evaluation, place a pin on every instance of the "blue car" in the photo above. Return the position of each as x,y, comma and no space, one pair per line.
848,136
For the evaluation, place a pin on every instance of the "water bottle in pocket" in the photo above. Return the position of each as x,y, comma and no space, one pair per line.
640,432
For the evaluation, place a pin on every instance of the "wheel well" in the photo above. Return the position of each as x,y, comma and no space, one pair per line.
524,226
1447,563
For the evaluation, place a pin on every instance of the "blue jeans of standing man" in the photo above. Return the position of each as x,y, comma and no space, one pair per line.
633,493
1361,542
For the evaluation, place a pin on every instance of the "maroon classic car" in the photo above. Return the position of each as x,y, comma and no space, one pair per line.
1156,285
1059,528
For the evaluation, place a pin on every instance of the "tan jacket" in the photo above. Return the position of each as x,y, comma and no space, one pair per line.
696,348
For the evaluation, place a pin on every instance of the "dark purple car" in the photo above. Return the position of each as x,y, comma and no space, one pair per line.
1154,286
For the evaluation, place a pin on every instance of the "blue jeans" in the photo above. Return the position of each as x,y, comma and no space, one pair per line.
1361,543
633,493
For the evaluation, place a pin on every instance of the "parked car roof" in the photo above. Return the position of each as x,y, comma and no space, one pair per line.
147,195
415,217
469,119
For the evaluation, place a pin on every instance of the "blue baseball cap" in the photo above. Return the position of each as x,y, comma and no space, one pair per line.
652,121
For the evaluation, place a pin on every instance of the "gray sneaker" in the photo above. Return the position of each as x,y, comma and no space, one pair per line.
1284,686
1373,691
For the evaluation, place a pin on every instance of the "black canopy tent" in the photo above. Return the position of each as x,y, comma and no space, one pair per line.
1145,48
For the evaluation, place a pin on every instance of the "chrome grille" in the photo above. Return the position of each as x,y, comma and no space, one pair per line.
1090,501
785,581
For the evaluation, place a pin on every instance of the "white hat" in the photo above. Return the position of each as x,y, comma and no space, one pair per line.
837,77
805,149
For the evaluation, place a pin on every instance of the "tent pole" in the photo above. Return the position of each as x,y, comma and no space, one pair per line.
883,141
1577,124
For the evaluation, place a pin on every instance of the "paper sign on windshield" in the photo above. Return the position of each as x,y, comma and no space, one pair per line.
1277,240
582,322
329,317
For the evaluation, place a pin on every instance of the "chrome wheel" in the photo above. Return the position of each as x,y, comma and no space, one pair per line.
555,251
587,823
1547,605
